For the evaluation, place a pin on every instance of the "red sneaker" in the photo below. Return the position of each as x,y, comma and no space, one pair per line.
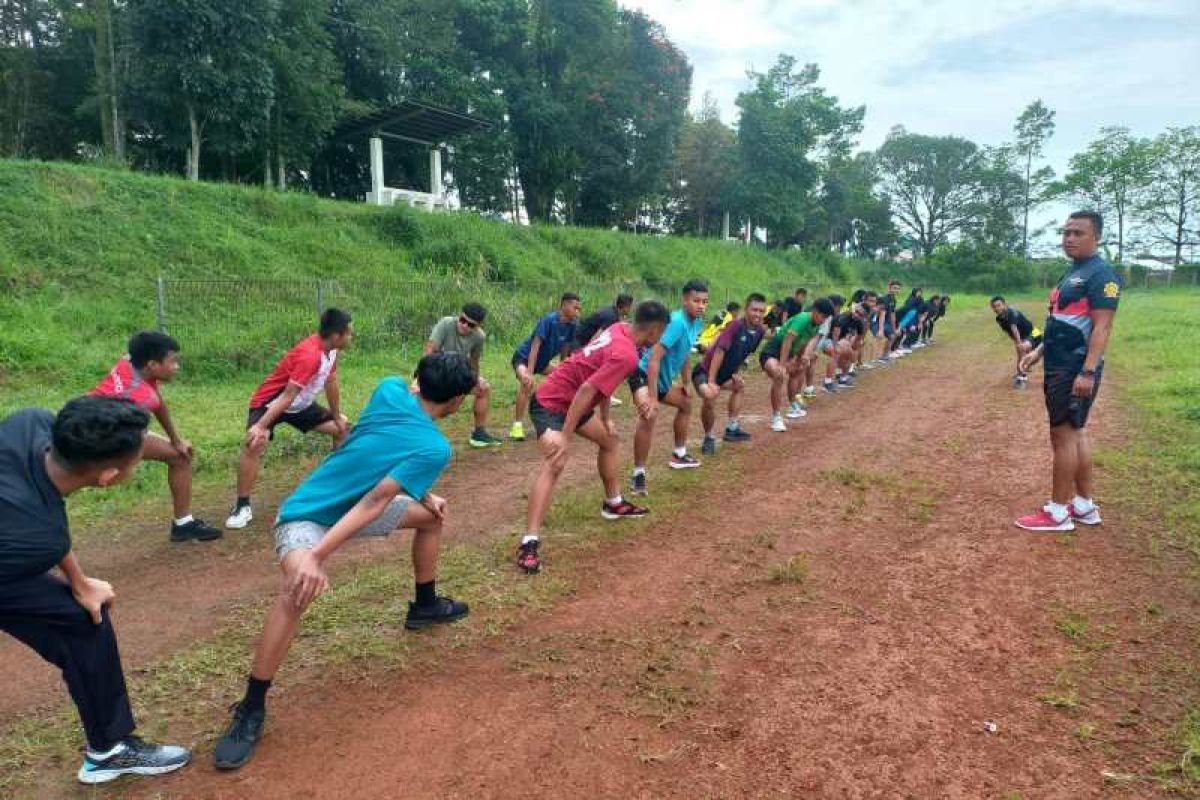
527,557
622,510
1044,521
1090,518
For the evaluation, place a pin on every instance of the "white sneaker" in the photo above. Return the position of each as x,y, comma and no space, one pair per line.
614,401
810,391
777,424
796,411
240,518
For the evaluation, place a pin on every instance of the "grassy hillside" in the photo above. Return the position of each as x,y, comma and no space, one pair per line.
80,248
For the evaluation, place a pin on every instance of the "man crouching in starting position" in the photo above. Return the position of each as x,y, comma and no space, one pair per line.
377,482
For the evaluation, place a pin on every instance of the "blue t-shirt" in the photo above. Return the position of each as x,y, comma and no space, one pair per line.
679,337
393,438
554,333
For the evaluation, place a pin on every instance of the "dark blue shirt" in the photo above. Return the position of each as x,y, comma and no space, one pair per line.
1090,284
33,517
555,335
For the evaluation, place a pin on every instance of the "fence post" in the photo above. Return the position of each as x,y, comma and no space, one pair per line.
160,304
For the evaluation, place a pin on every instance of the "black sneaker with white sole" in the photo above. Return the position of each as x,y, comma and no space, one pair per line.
441,611
236,746
132,757
197,530
637,484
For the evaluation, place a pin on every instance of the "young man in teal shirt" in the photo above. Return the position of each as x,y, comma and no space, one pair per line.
377,482
652,383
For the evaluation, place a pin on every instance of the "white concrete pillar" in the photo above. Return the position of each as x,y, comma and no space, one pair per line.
377,183
435,173
725,227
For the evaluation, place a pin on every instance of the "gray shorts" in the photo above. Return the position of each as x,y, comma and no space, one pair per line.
302,534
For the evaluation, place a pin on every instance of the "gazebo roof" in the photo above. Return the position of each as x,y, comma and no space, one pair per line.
412,121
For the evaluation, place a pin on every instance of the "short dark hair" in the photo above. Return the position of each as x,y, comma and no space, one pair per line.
147,346
994,299
97,431
870,293
802,291
568,297
474,312
894,282
858,295
695,285
623,300
445,376
651,312
334,321
1093,217
837,300
755,297
733,306
824,306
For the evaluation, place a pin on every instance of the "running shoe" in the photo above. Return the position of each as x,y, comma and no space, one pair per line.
240,517
845,382
197,529
439,612
517,432
685,461
1044,521
236,746
809,392
1020,382
615,401
481,438
1090,518
527,557
622,510
638,484
709,448
777,424
797,411
829,388
737,435
132,756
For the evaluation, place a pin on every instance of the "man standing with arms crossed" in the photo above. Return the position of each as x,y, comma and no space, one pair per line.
1082,308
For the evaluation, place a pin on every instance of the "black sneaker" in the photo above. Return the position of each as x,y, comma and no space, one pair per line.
527,557
197,529
236,747
133,757
638,484
481,438
709,447
737,435
443,609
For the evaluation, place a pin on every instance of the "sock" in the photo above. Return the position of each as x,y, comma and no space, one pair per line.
479,430
427,593
616,501
1057,510
828,382
184,520
100,755
680,451
256,693
777,415
638,470
1083,504
242,501
709,437
529,537
810,388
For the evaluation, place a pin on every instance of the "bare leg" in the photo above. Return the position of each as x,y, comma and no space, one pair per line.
179,471
708,415
1064,440
543,485
1083,464
248,468
606,455
643,435
522,404
480,409
735,400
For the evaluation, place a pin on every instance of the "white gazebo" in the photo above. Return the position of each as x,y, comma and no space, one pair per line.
413,123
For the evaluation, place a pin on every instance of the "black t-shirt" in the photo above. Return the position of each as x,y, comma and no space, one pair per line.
1013,317
33,518
598,321
1091,284
848,325
792,306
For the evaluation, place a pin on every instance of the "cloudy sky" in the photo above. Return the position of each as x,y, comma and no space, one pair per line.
959,67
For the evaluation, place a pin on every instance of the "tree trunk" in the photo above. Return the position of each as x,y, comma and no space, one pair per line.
280,172
193,154
267,169
1025,226
1179,220
105,78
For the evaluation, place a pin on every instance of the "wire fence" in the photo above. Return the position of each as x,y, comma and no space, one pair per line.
246,324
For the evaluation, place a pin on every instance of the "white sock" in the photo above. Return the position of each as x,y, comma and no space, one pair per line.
1057,510
680,451
828,381
616,501
184,520
529,537
810,388
639,470
116,748
1083,504
733,424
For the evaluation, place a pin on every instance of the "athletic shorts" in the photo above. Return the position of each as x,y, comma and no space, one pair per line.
768,354
638,379
1034,341
888,330
302,534
544,419
303,421
824,343
1062,406
700,376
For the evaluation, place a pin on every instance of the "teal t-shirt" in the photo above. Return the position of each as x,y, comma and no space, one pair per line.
678,339
394,438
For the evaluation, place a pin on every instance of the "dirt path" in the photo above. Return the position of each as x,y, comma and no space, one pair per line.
688,666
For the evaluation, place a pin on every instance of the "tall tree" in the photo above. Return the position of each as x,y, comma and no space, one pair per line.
1111,175
707,165
1171,205
112,129
1000,199
855,218
1033,128
931,183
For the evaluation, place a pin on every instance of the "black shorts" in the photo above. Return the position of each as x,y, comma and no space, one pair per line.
638,379
768,354
1061,405
700,376
303,421
544,419
1034,341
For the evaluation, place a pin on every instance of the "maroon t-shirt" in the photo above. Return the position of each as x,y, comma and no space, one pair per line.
605,362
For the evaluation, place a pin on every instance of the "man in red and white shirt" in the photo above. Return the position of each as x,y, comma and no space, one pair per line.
289,395
567,402
153,358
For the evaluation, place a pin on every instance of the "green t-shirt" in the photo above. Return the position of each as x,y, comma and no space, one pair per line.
445,337
802,325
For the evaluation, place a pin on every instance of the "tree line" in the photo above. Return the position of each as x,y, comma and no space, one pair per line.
589,105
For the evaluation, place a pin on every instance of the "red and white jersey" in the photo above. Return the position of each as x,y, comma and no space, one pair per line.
308,365
123,381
